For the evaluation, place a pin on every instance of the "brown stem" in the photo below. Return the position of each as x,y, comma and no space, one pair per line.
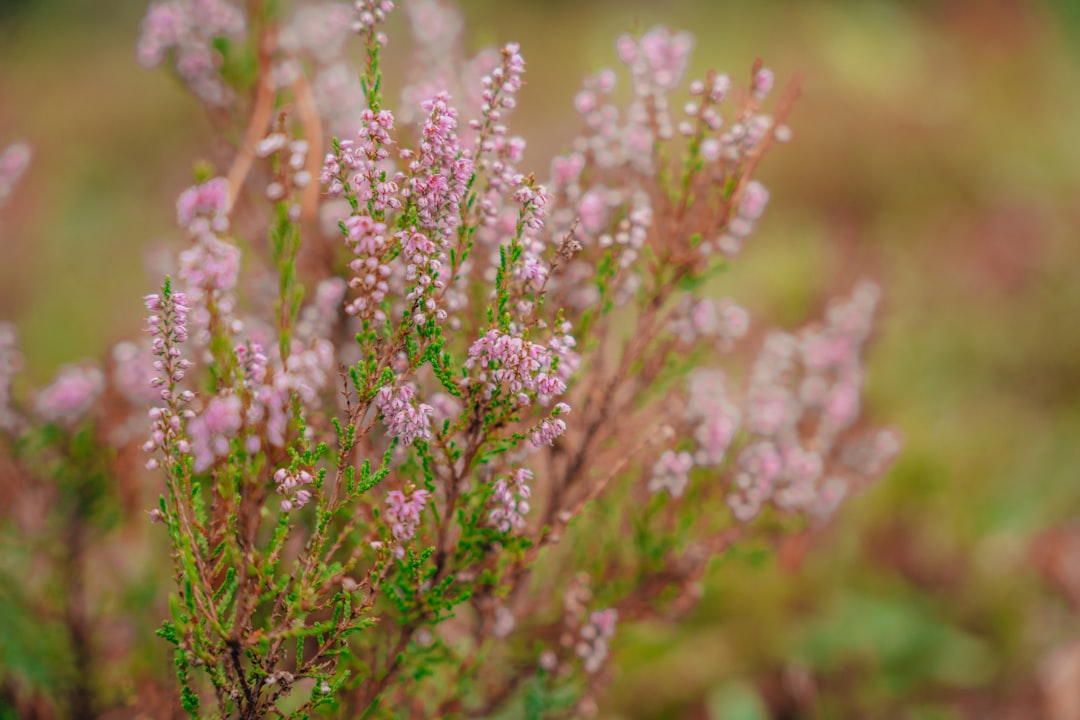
261,112
80,696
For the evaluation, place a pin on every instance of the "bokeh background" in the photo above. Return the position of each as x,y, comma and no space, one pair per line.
936,149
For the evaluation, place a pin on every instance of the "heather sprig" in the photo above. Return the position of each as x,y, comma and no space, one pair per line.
493,430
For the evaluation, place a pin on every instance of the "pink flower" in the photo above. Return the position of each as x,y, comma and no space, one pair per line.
667,55
168,326
211,264
211,432
405,419
188,29
511,496
292,484
714,435
763,82
13,163
593,211
403,515
565,170
207,203
547,432
671,472
70,395
515,366
842,405
595,636
754,199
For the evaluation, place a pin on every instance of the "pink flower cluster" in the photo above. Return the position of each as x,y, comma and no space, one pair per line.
749,210
13,163
500,93
715,417
440,63
511,498
292,484
657,59
133,371
403,515
439,173
370,14
405,419
70,395
550,428
168,326
367,240
671,472
515,365
213,429
358,163
210,266
804,393
204,208
319,30
724,320
592,647
266,396
308,369
188,28
293,175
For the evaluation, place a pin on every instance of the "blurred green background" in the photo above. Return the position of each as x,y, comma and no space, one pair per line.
936,149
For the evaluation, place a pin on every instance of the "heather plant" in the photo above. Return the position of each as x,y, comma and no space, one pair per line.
426,427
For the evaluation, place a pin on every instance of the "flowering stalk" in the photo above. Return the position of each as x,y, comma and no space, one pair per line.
499,382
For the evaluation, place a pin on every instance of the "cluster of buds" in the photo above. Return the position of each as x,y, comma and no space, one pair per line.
403,515
290,175
291,484
168,326
405,419
595,635
188,29
511,498
516,365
